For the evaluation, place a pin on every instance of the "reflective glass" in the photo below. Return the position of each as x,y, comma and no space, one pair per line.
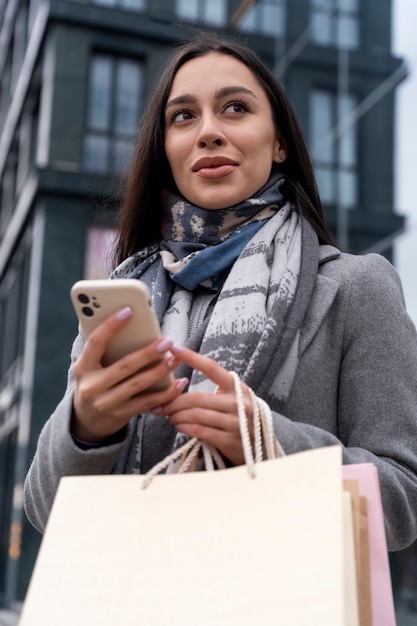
272,19
348,31
321,124
122,152
348,183
187,9
134,5
321,28
324,5
326,182
215,12
248,22
96,153
100,93
347,142
127,96
349,5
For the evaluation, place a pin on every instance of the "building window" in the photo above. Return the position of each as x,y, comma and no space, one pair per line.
335,158
335,23
130,5
13,307
213,12
114,104
265,16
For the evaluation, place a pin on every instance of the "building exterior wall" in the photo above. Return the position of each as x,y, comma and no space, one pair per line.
49,201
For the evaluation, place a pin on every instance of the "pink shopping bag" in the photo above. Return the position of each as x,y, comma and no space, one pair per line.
383,611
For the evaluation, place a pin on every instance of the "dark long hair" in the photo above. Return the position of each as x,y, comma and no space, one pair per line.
141,213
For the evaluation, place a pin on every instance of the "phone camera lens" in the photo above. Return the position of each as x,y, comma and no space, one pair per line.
83,298
88,312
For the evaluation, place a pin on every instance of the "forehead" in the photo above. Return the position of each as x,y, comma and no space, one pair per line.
213,71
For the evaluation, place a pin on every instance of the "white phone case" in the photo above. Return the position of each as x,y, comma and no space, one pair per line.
95,300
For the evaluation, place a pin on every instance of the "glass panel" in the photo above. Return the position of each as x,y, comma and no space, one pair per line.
96,153
187,9
320,25
348,184
248,22
100,93
349,6
106,3
123,150
321,124
347,143
214,12
326,182
322,4
127,95
134,5
272,19
348,32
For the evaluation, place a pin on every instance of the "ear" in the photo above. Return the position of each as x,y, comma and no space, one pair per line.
280,154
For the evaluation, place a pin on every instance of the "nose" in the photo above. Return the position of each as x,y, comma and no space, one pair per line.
210,132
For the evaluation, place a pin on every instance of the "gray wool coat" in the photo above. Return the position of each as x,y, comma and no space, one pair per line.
356,385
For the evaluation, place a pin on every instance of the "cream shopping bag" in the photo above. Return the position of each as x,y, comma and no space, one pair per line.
215,548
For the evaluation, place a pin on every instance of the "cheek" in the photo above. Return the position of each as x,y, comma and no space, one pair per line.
175,151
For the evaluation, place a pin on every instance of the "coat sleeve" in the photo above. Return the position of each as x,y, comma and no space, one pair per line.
57,455
360,389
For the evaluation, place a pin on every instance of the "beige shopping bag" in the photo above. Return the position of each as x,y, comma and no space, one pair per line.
215,548
361,551
381,595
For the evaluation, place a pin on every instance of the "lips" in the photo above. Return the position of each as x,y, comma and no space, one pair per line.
214,167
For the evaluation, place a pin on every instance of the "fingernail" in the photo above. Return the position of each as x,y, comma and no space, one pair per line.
156,410
171,362
163,345
123,314
176,348
181,384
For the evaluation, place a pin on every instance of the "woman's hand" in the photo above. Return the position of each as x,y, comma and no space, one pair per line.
211,417
107,397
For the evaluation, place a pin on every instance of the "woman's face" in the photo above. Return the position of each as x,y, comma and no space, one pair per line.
220,139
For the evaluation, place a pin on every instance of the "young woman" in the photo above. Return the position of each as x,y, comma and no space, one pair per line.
222,220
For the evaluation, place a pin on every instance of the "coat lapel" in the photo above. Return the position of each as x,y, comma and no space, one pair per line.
321,300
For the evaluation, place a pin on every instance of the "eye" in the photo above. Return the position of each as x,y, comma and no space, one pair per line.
180,115
237,106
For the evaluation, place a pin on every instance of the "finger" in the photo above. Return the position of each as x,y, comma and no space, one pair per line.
226,442
207,366
154,359
222,403
206,418
107,388
97,342
154,353
120,406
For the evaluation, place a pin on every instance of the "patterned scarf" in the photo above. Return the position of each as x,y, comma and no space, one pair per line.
255,324
200,246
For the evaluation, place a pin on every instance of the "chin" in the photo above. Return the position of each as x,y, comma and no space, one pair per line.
210,204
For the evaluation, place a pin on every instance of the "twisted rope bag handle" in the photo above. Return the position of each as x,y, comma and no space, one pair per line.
263,435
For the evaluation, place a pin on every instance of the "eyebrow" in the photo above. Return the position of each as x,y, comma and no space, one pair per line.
187,98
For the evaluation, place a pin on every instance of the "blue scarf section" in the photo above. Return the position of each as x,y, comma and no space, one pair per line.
200,246
214,263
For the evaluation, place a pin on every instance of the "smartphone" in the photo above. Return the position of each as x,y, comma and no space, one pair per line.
95,300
